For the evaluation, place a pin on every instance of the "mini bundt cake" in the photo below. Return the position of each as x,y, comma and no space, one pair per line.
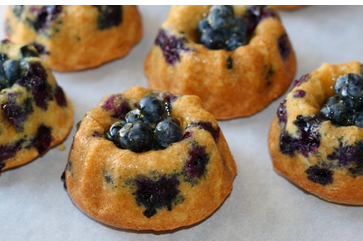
75,37
316,140
236,59
34,111
149,160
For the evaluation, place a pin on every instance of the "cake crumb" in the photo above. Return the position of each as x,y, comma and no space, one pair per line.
61,147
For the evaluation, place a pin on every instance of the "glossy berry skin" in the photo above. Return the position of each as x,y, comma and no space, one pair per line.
137,137
236,41
114,129
222,30
133,116
358,119
167,132
351,79
203,25
220,17
152,108
12,71
338,113
213,39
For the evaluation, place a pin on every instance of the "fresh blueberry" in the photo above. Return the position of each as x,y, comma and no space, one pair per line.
133,116
220,17
351,90
152,108
240,26
3,58
338,113
358,119
172,119
332,100
213,39
26,52
114,129
167,132
12,70
203,25
137,137
351,78
236,41
352,104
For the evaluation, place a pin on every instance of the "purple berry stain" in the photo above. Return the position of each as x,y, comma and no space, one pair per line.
308,140
42,139
187,134
16,114
254,15
156,194
46,15
299,93
60,96
109,16
36,80
349,155
282,113
302,79
284,47
41,49
215,132
171,46
320,175
117,106
196,165
9,151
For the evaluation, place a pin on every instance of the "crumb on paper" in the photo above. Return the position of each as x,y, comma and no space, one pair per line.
61,147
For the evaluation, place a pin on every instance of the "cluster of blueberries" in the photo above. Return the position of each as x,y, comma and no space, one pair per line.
221,30
346,107
10,71
147,127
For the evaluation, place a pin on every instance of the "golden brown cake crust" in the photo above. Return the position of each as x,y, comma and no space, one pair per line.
259,74
103,180
31,122
289,7
334,180
73,41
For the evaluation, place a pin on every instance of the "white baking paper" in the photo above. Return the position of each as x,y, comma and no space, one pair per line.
262,206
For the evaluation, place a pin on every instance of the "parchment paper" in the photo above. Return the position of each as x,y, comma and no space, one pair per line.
262,206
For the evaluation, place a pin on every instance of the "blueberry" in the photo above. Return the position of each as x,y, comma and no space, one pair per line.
26,52
351,103
332,100
152,108
351,78
220,17
338,113
240,26
109,16
358,119
137,137
351,90
3,58
213,39
167,132
172,119
133,116
12,70
236,41
114,129
203,25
